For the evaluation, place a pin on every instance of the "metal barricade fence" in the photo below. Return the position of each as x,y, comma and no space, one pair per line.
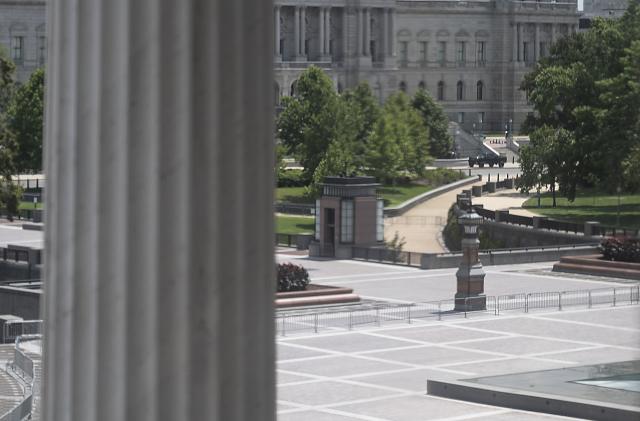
14,328
377,313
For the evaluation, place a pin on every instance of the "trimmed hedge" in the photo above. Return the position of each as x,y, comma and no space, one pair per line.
621,249
291,277
291,178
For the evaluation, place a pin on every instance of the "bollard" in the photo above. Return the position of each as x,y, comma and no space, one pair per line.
439,310
315,325
498,177
589,306
489,179
283,318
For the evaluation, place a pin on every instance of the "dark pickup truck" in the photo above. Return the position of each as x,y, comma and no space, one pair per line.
489,160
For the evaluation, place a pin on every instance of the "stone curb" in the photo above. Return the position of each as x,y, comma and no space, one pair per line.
405,206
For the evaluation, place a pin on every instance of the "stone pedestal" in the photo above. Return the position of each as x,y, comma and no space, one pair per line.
159,226
491,186
590,228
470,275
476,191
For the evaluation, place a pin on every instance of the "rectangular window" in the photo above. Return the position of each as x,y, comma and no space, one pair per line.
442,52
423,51
460,118
460,52
17,49
380,220
404,52
42,50
481,53
346,221
317,220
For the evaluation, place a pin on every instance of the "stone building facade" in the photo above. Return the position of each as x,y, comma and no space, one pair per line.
23,34
470,55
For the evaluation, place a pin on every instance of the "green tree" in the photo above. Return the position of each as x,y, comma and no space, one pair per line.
25,123
365,112
589,86
306,126
544,161
7,78
403,127
441,142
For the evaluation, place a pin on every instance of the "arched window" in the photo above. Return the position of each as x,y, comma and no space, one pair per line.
441,91
460,91
422,85
276,93
294,85
403,86
479,91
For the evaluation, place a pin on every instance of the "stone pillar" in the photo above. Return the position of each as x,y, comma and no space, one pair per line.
515,42
536,43
296,30
345,33
276,33
168,315
321,28
367,32
303,32
327,32
553,33
470,275
520,43
392,25
360,33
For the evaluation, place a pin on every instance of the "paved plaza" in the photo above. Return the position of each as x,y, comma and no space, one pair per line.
379,372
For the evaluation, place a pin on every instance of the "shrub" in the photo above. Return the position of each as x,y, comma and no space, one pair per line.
291,277
621,249
290,178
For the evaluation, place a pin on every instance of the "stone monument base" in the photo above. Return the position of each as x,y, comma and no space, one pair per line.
470,303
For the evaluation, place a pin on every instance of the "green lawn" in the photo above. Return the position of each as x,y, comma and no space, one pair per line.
29,205
591,206
394,195
286,224
292,195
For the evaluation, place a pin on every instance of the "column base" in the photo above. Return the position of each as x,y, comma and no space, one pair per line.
326,58
390,61
470,302
300,58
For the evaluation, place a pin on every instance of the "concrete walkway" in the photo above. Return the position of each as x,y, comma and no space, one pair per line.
422,225
506,199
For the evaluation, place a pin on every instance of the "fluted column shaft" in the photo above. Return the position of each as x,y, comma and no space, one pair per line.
345,33
276,31
303,31
515,42
360,28
367,32
327,30
321,28
536,42
392,20
159,237
553,33
296,29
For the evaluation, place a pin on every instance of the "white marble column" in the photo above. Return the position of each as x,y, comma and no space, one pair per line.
515,42
360,28
303,31
536,42
345,33
159,240
321,28
392,27
276,33
296,30
327,31
367,31
520,43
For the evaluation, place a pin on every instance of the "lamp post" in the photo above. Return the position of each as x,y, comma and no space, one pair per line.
539,180
470,275
618,190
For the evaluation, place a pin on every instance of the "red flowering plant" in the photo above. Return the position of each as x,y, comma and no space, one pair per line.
291,277
621,249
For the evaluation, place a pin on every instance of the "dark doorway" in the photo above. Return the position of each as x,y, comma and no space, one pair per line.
329,232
